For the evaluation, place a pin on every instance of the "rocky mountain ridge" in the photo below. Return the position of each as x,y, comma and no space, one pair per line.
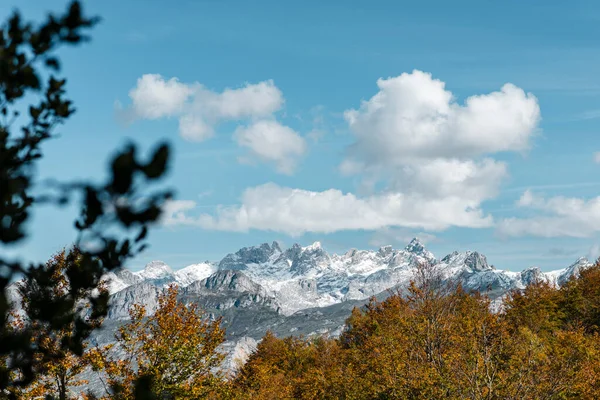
298,278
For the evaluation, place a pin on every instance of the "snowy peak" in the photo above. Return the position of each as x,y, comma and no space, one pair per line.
476,261
275,247
156,271
250,255
385,251
315,247
472,260
310,258
194,272
306,277
417,248
531,275
574,270
120,279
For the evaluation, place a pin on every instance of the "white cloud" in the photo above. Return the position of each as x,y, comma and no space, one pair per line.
594,252
557,216
250,101
270,141
474,181
194,128
433,156
527,199
200,110
295,212
413,135
173,212
414,117
597,157
154,97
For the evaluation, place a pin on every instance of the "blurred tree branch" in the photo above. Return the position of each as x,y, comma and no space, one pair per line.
115,214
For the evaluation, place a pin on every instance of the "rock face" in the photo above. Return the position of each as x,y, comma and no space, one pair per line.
144,293
531,275
228,289
249,255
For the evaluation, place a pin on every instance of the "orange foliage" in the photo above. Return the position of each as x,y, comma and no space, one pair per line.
437,341
176,347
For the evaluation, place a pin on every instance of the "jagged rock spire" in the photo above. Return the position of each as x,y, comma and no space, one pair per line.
415,246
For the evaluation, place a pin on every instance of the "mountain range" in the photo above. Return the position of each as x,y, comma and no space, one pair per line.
306,290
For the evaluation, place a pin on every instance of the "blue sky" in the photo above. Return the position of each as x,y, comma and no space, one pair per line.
257,98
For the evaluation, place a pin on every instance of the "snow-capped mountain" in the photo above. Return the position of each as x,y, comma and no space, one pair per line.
159,274
194,272
300,278
304,290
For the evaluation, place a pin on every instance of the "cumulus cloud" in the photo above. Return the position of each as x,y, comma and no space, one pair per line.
154,97
173,212
199,110
433,155
250,101
194,128
295,212
555,217
472,180
270,141
597,157
413,135
413,116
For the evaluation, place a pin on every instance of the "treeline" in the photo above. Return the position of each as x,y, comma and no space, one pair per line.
439,342
432,341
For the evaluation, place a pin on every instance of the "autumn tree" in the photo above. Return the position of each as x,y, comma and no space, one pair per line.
176,347
115,214
580,300
434,340
536,307
554,346
292,368
57,368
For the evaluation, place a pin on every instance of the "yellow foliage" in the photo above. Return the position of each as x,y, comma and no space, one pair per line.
176,347
439,342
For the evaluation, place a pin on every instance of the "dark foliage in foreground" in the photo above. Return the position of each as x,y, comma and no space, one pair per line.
115,214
